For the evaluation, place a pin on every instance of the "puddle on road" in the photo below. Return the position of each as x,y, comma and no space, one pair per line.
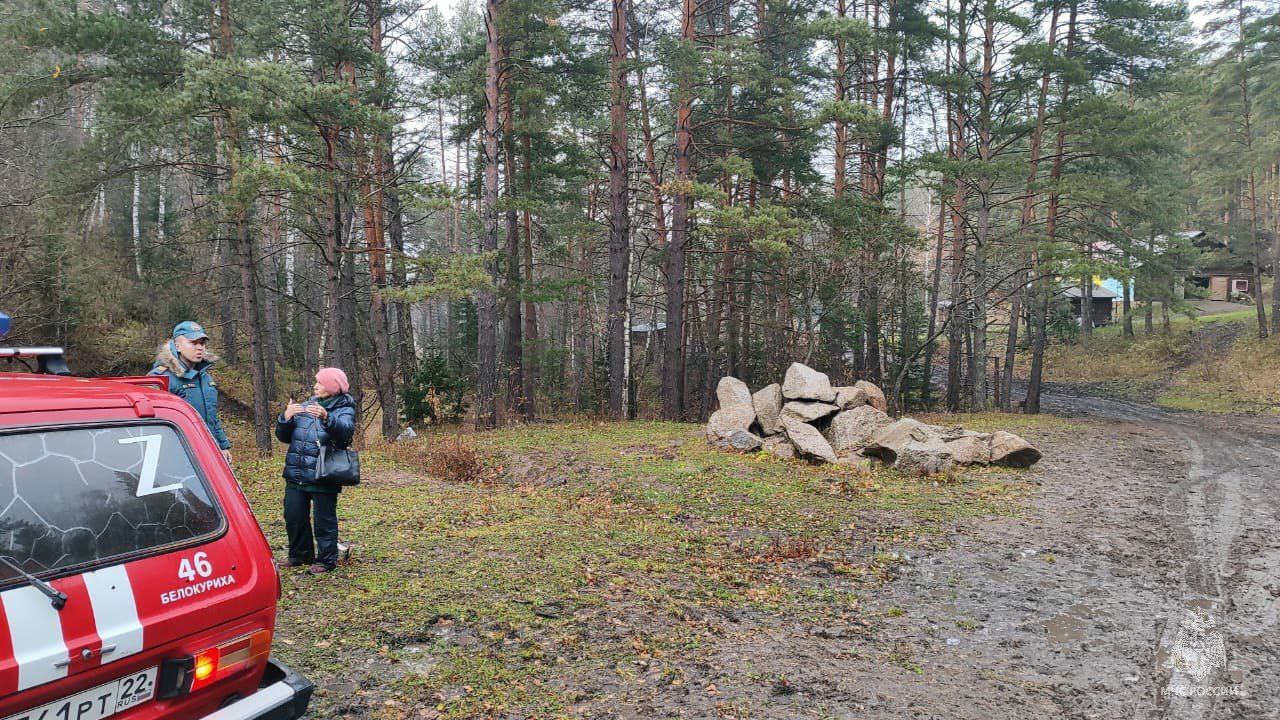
1070,626
419,660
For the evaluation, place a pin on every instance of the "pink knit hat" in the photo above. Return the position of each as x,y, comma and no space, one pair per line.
333,380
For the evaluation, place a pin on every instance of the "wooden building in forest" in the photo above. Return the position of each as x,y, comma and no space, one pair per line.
1227,279
1220,273
1103,307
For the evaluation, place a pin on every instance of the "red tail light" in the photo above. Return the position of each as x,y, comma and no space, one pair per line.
207,667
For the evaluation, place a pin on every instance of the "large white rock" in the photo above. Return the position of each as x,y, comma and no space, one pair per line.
970,448
732,392
875,396
724,422
808,441
808,411
852,429
740,440
850,397
804,383
1009,449
889,440
924,458
768,405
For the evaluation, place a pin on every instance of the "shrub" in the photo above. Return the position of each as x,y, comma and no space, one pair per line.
456,459
435,393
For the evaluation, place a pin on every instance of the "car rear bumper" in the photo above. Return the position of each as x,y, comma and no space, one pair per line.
284,695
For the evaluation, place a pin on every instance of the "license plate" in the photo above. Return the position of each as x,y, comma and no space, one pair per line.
100,702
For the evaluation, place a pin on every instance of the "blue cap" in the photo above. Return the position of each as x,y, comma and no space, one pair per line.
190,330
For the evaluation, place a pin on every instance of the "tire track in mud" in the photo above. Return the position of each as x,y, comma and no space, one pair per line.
1222,650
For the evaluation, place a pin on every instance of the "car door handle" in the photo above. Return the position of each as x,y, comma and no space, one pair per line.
85,654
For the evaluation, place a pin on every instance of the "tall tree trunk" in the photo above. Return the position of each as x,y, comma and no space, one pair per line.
1148,323
270,275
582,328
406,354
720,284
650,161
162,190
267,270
513,345
227,287
935,293
619,217
958,318
1256,260
1039,331
840,170
1246,101
375,241
743,365
530,375
310,264
1026,219
1086,308
135,210
833,328
1128,296
723,284
487,304
673,370
1275,247
334,344
243,248
878,162
986,188
1166,326
348,307
1044,291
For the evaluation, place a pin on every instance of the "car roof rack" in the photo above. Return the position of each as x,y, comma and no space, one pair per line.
49,360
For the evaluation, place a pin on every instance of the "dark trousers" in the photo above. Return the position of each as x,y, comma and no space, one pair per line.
301,510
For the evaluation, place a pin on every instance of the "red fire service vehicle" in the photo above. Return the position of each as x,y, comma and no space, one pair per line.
135,582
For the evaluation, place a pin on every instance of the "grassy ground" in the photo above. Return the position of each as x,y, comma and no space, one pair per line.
1244,377
1210,364
587,562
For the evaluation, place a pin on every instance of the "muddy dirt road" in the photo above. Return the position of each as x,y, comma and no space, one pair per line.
1144,583
1218,650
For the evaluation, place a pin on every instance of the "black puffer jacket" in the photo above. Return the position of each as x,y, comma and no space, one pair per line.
306,435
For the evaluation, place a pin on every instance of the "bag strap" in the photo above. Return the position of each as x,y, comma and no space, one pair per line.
320,454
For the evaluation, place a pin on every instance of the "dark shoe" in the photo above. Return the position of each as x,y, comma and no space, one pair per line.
295,563
319,568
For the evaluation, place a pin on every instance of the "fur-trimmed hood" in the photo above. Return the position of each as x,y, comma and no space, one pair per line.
193,384
167,357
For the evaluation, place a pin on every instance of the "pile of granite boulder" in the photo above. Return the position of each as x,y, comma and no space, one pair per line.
807,417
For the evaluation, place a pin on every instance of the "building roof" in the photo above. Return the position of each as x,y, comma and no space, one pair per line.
1099,292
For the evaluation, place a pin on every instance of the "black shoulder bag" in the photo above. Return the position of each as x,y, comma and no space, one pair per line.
337,466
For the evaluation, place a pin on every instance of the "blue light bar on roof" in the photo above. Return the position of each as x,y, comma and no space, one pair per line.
4,324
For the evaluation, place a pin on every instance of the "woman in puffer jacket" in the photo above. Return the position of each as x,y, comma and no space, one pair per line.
326,420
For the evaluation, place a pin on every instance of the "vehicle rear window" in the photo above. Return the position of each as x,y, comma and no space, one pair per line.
86,496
